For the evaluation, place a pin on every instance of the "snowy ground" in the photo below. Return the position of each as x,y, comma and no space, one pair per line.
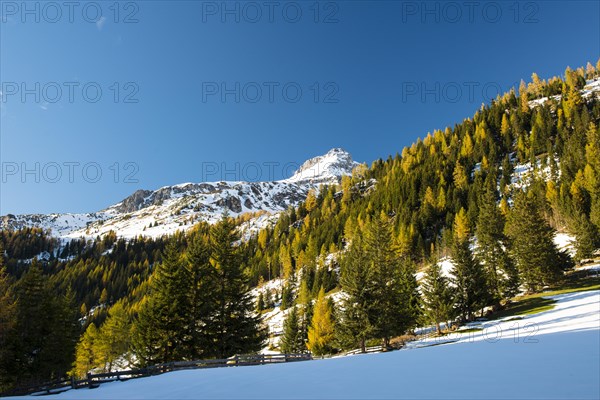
550,355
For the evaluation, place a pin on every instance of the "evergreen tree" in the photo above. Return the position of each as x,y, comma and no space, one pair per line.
305,309
587,236
46,327
492,244
287,296
260,302
438,299
356,309
394,290
321,330
291,340
237,330
8,320
472,293
202,291
538,259
160,330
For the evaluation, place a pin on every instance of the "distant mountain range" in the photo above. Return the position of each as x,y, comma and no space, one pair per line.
171,208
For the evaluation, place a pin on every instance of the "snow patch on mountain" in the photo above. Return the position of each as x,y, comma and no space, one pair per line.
591,88
178,207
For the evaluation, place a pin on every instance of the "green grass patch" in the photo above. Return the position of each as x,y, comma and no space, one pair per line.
527,306
470,330
513,319
579,285
537,302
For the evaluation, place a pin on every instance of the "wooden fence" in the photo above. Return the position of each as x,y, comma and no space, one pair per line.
95,380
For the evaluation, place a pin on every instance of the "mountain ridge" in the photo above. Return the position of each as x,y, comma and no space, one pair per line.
154,213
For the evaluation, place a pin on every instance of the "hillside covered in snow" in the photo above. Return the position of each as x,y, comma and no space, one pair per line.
550,355
153,213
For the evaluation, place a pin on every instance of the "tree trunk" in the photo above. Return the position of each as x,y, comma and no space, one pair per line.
363,349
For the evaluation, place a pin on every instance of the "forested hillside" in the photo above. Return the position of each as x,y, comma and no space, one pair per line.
488,193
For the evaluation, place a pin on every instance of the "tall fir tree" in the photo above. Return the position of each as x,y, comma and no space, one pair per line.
8,321
202,291
291,340
438,300
47,329
492,244
305,308
539,261
394,282
356,309
163,320
472,293
236,328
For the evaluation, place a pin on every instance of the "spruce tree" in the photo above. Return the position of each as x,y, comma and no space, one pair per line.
394,284
321,330
237,330
472,293
531,238
492,244
47,329
357,305
8,320
305,309
202,291
586,233
291,340
438,301
163,321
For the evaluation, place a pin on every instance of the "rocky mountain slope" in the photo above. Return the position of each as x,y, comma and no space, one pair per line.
179,207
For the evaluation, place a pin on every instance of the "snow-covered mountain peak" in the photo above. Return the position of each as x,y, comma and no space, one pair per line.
327,168
170,208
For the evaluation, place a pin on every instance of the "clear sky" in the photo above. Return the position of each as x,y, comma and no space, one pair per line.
165,92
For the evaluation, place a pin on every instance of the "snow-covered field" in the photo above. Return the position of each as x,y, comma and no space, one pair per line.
550,355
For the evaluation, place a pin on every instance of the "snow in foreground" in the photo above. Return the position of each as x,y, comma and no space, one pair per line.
554,354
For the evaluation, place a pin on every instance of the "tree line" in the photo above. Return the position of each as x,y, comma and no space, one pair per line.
451,195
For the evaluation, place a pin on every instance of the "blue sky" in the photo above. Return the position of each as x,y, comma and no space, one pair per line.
368,76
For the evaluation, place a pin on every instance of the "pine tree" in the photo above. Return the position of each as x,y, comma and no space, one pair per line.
260,302
291,340
287,295
321,330
587,236
160,330
237,330
471,293
8,320
394,290
355,326
47,329
438,300
492,243
538,259
202,297
305,309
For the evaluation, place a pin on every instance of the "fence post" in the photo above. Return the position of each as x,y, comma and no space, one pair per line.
89,380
